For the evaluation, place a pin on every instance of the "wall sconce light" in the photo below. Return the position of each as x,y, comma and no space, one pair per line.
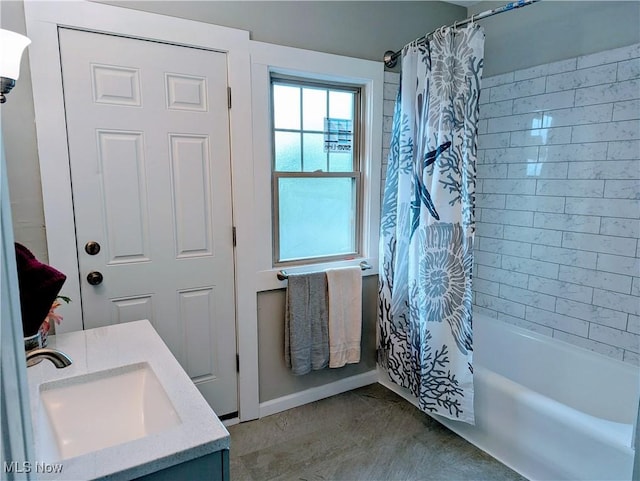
11,47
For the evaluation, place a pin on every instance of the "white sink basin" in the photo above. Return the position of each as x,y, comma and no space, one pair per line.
87,413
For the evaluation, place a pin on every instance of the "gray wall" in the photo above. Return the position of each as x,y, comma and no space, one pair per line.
358,29
554,30
19,133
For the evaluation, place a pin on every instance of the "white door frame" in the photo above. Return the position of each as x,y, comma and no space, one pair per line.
42,21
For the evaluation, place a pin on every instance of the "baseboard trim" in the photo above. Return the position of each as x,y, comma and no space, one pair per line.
316,393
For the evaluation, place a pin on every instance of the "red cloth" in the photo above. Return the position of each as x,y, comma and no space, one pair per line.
39,286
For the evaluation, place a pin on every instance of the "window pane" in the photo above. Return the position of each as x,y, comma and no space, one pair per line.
341,162
287,147
341,105
314,156
317,217
286,107
314,109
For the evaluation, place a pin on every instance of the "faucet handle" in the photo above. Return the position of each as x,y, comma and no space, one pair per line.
58,358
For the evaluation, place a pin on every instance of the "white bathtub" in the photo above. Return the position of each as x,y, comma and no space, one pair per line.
548,409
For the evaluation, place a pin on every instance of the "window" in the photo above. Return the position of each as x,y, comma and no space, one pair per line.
316,170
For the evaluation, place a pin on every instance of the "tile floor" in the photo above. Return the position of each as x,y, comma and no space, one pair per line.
366,434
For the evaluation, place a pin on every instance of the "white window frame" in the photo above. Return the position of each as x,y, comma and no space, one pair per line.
354,174
305,64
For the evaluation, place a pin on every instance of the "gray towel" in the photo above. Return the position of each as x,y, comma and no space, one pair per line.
306,329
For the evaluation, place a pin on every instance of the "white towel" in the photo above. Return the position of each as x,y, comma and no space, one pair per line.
345,315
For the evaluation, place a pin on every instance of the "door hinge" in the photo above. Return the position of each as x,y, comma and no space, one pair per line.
229,97
237,362
233,234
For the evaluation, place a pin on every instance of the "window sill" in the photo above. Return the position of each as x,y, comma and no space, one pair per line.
267,280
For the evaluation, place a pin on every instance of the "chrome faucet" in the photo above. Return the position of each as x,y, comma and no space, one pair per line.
58,358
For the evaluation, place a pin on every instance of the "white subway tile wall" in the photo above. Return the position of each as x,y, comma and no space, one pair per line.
558,199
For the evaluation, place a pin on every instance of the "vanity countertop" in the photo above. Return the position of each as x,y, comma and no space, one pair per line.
200,433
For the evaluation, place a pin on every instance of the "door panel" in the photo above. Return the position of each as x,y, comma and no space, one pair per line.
148,134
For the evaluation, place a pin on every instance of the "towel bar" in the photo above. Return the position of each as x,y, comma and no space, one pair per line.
283,276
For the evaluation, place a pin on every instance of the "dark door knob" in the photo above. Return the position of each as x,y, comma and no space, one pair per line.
92,248
94,278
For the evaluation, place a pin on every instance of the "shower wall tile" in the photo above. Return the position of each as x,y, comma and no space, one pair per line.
562,256
535,203
609,56
530,266
578,115
554,135
502,276
537,71
594,278
622,130
613,300
505,78
527,297
615,337
627,266
626,110
510,155
510,123
491,171
629,69
608,317
557,321
502,246
623,150
518,89
557,249
561,289
600,94
499,304
614,169
535,236
540,170
575,152
571,188
491,201
585,77
496,109
619,227
510,186
486,287
604,207
633,325
576,223
510,217
622,189
599,243
542,102
493,141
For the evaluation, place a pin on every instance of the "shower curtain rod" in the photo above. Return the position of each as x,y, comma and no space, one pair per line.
391,58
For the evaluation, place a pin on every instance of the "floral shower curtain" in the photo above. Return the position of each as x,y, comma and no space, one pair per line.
427,224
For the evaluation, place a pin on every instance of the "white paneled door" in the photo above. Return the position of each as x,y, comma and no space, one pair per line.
148,133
